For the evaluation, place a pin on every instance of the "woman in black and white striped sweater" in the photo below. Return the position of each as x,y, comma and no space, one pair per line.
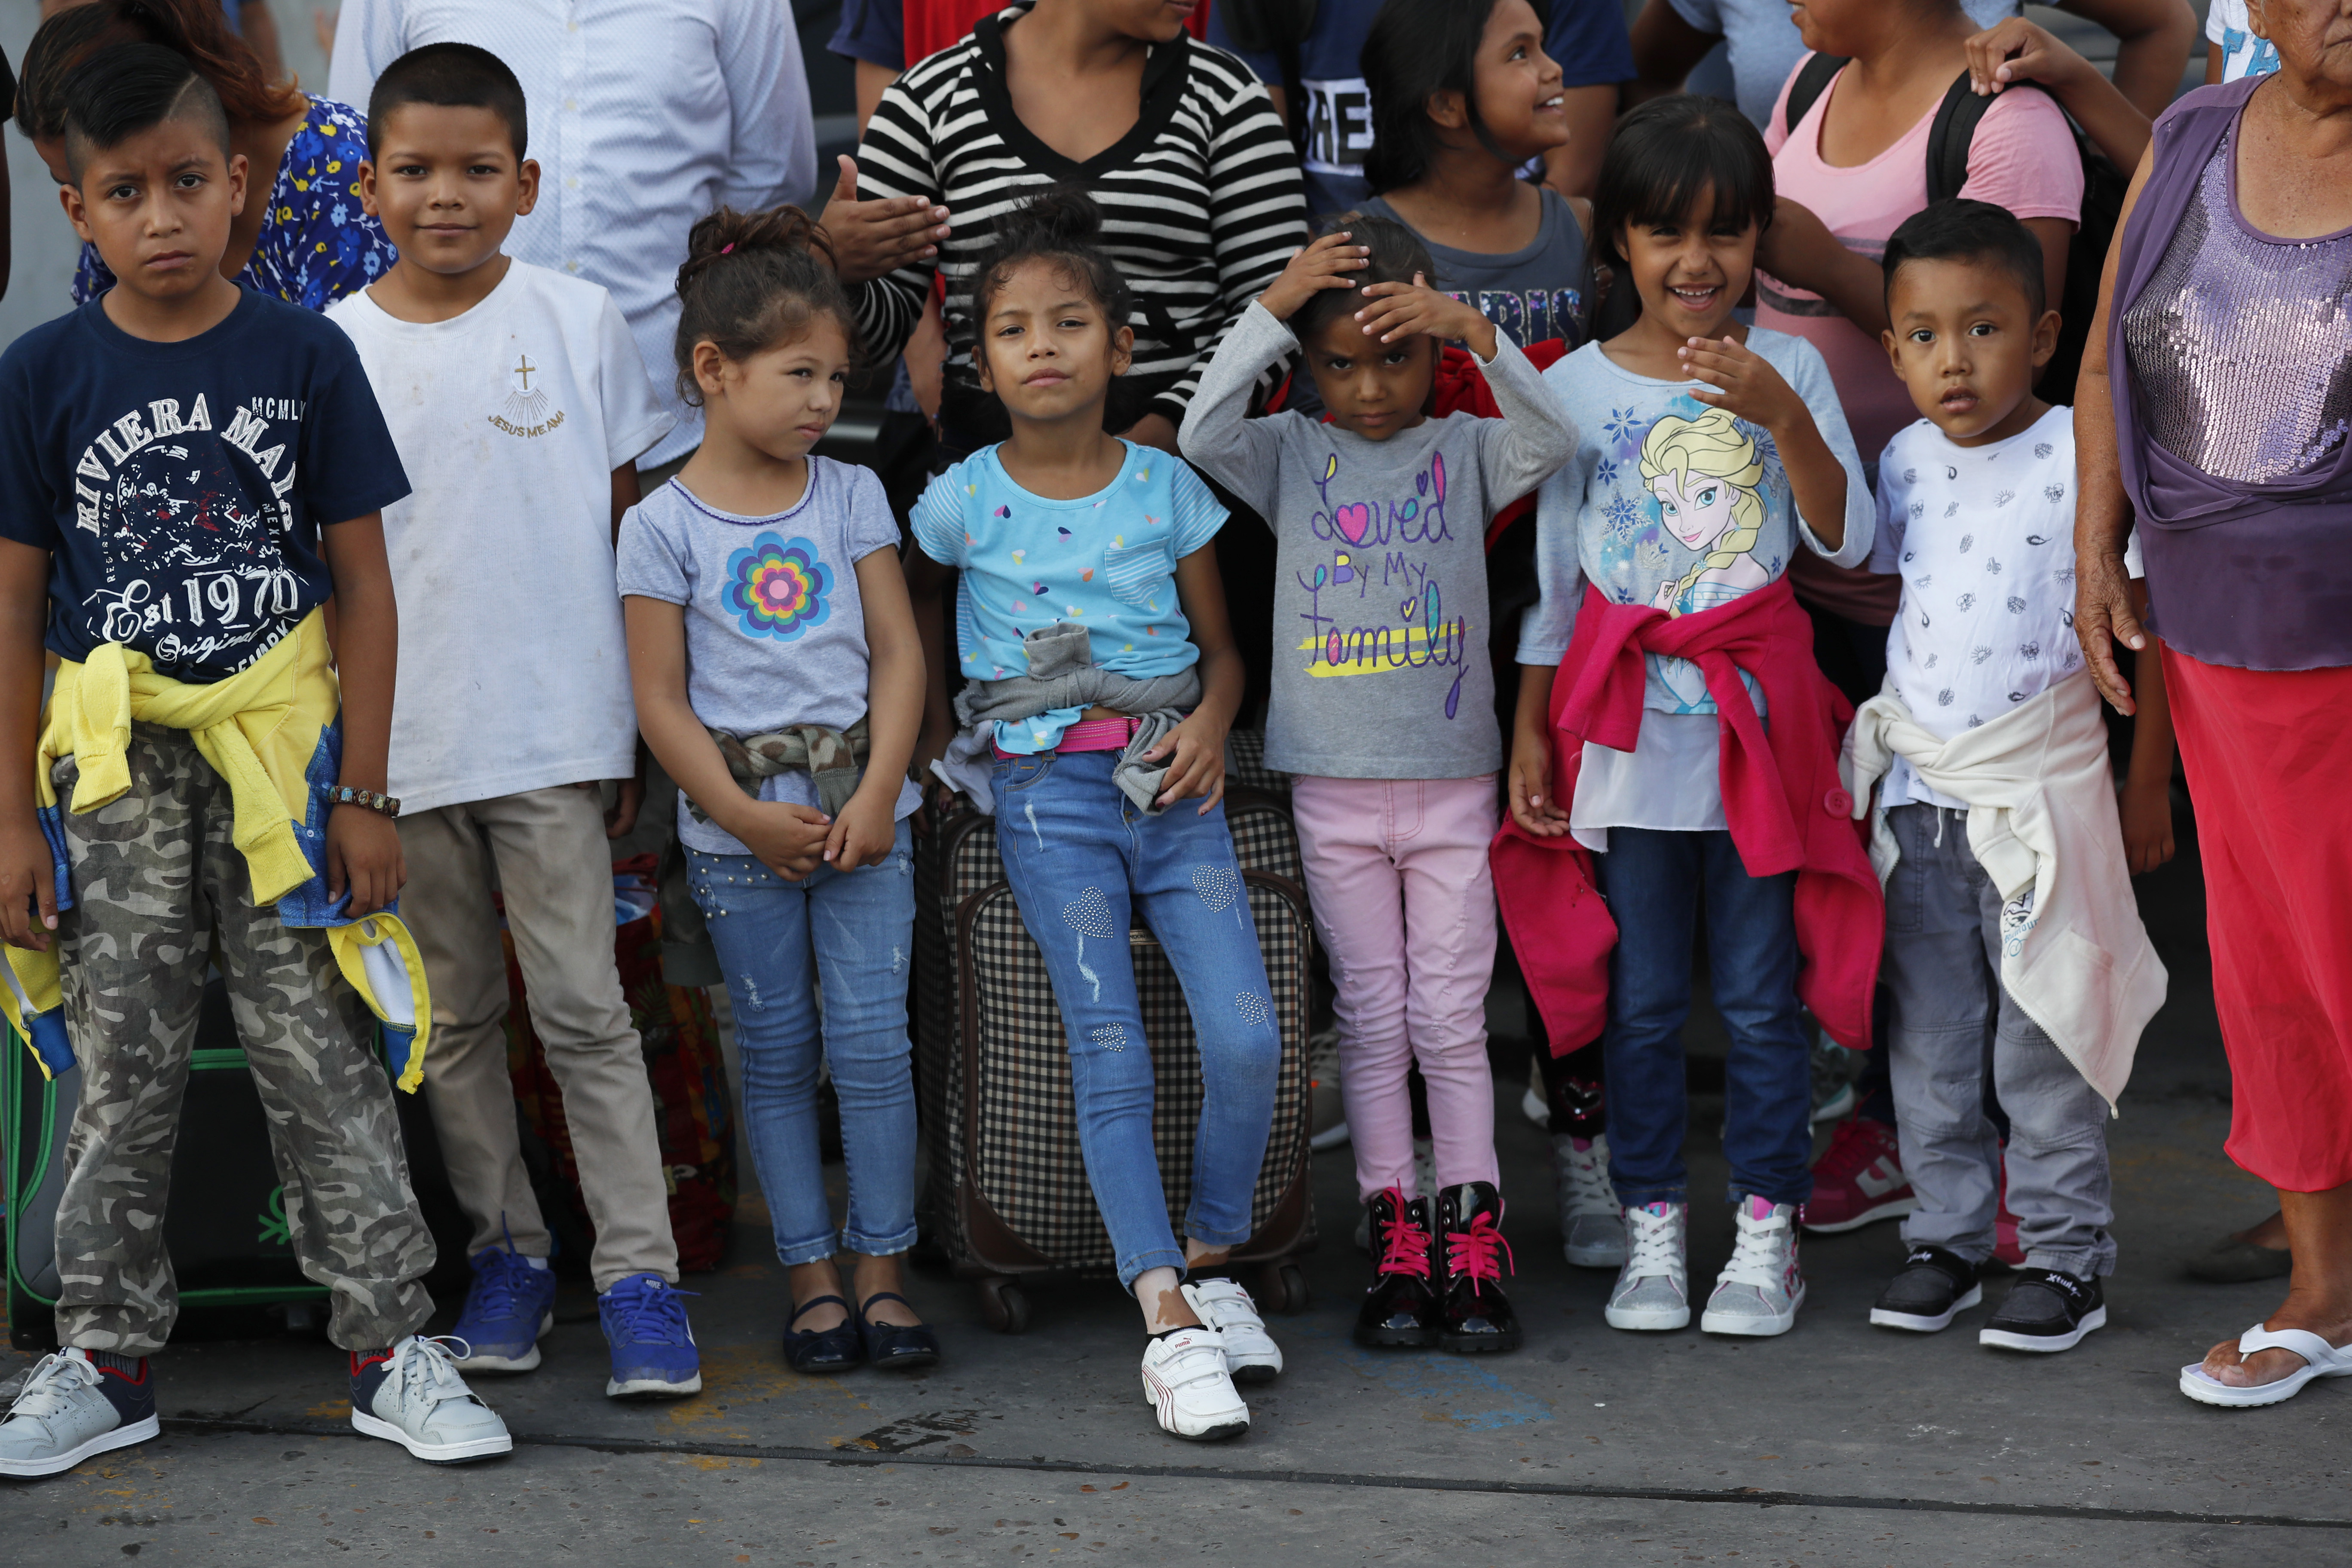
1176,141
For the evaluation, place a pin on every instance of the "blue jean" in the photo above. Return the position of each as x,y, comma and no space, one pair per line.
1655,882
854,931
1081,858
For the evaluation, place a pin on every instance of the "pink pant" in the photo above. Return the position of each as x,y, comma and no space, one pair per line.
1405,907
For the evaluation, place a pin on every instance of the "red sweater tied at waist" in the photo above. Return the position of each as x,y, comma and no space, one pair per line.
1781,799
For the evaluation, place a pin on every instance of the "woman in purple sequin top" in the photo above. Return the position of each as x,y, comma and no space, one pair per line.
2216,419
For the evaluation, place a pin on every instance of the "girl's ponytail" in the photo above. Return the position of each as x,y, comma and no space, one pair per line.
752,281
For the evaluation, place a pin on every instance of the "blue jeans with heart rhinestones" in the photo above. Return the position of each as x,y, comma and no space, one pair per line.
1082,860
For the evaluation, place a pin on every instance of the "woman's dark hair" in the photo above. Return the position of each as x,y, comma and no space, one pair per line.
131,88
194,29
1397,253
752,280
1062,225
1416,49
1674,152
1971,231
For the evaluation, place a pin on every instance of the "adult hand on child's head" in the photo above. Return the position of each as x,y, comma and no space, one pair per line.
873,238
364,856
1394,310
2015,50
1195,751
866,830
1325,264
28,886
1742,380
2104,616
788,839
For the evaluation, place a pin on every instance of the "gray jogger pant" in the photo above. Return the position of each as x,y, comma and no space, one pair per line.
154,877
1954,1025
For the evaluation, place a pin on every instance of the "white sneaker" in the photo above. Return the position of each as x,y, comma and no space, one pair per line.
415,1397
1186,1384
1251,1355
1652,1289
1762,1287
1591,1223
70,1409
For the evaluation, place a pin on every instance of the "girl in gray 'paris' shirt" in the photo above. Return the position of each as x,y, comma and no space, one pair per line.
1383,709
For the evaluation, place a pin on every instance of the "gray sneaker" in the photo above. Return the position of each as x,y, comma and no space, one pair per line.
413,1395
1652,1289
1591,1225
1759,1290
72,1408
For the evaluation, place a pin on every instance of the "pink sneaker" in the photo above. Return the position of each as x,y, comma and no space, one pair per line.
1858,1179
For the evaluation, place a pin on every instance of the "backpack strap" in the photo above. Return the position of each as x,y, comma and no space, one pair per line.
1812,80
1955,129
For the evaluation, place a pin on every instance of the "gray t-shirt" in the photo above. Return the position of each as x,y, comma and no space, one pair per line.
775,628
1765,47
1381,669
1544,291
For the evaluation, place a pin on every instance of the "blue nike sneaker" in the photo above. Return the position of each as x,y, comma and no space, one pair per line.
509,1306
652,1346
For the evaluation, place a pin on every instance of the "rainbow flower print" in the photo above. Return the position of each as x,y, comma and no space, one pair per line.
778,588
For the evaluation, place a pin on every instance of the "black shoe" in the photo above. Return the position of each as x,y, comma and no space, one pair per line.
897,1347
1400,1307
837,1349
1934,1287
2047,1309
1476,1315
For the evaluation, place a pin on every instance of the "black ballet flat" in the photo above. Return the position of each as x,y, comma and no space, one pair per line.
897,1347
837,1349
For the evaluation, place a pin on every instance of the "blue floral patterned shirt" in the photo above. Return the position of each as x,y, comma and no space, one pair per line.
316,243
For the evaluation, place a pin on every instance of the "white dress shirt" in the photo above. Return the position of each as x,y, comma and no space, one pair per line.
645,116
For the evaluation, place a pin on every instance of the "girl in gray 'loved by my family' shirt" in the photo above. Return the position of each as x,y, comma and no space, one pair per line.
1383,709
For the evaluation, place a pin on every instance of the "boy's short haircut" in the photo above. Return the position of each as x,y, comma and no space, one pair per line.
1397,253
1970,231
449,76
1670,152
119,92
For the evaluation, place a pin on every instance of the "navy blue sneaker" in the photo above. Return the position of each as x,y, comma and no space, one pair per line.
652,1346
509,1306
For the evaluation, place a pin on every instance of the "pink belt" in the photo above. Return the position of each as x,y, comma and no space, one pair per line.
1092,735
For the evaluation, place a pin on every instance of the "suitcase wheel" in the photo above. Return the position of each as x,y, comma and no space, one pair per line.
1282,1288
1005,1304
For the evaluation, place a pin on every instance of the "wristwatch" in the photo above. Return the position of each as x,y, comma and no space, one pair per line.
366,799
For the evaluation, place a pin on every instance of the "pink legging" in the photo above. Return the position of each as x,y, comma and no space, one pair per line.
1406,906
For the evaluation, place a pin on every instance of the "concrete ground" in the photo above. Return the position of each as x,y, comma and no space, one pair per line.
1839,1444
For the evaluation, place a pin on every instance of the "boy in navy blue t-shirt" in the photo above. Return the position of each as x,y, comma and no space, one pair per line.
191,472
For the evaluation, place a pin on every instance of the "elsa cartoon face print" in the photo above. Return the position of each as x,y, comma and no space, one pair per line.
1695,507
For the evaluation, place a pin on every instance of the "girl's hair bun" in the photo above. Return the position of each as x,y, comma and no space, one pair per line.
730,232
752,281
1061,217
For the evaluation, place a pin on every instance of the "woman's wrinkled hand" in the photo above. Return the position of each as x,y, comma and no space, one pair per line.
2016,50
2104,616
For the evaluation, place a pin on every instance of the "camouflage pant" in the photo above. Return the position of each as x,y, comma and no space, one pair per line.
155,877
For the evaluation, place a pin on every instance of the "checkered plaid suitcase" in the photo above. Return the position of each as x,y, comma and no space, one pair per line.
1008,1197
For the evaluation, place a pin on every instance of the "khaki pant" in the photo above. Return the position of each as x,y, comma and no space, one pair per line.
548,849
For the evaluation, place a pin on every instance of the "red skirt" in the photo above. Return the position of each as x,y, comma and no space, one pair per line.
2269,756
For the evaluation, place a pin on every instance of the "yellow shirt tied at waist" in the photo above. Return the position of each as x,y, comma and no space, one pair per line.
264,730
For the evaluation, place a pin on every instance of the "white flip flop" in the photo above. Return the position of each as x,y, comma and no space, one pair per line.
2320,1359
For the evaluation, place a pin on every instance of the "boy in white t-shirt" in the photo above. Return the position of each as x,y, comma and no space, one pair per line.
1995,827
518,399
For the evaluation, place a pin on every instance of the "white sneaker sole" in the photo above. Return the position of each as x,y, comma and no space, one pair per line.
117,1437
1216,1429
1257,1369
1647,1320
1753,1327
2001,1338
432,1453
1921,1322
527,1362
1895,1210
651,1388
